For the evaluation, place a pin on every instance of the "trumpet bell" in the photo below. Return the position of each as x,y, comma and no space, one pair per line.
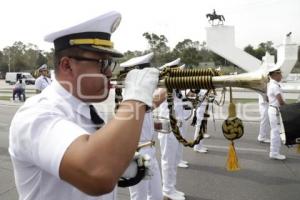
252,80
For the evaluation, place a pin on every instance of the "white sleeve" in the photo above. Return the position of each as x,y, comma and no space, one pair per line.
53,143
276,90
37,84
42,139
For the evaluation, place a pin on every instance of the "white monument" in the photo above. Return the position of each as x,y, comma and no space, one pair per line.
287,54
221,40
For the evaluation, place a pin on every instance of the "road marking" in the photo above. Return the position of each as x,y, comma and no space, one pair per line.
237,148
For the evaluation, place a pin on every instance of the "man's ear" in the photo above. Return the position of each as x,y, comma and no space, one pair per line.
65,65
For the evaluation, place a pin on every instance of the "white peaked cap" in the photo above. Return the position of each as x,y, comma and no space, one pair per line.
92,35
136,61
182,66
171,64
272,67
43,67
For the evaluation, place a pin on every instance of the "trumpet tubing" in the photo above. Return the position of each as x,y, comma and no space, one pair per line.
191,79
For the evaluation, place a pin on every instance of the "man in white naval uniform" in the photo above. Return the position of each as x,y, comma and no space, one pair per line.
264,129
149,188
170,147
184,127
60,148
185,113
275,96
43,80
263,103
200,114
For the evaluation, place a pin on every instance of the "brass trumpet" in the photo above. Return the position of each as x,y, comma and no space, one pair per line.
201,79
194,79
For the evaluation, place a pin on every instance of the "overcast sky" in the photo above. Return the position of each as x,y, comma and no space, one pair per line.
255,21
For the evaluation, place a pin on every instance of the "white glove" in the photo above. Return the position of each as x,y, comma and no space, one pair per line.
138,160
140,85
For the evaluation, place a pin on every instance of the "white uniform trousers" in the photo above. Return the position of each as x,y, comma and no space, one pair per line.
275,141
151,187
200,114
170,157
183,131
264,129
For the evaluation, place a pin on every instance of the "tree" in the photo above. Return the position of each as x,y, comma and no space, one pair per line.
249,49
3,64
189,52
158,44
41,59
31,55
49,56
261,50
130,54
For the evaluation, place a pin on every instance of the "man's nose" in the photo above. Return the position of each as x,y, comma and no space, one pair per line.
108,73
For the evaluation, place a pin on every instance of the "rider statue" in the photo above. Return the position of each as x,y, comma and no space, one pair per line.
214,16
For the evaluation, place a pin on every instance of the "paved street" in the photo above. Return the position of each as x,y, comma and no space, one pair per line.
206,178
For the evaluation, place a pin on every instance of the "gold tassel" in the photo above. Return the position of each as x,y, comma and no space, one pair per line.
232,160
231,110
231,107
298,148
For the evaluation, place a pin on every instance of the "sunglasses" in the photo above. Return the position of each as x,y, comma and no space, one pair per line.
105,64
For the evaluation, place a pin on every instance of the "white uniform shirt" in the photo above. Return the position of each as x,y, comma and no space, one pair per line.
20,85
148,128
185,102
262,98
40,133
273,90
200,112
42,82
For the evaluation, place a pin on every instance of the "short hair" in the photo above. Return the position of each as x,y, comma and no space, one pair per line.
74,51
275,72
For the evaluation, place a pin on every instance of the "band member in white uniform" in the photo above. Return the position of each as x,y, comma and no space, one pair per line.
184,128
264,129
43,80
181,94
200,114
150,187
170,147
275,96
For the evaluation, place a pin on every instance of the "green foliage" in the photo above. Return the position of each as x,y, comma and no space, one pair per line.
261,50
28,57
21,57
158,44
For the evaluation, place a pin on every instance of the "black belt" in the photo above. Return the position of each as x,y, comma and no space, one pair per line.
277,109
274,107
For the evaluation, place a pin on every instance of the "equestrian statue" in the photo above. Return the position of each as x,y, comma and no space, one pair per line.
214,16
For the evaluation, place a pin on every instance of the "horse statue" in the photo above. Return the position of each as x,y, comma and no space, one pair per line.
214,16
